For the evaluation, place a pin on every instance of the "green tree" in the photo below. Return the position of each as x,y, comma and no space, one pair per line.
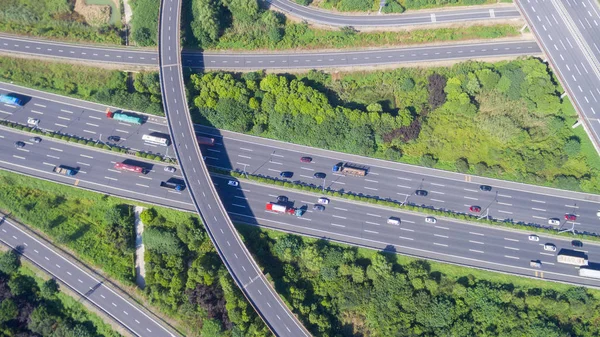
162,241
211,328
572,146
49,288
428,160
462,165
9,262
23,286
8,310
42,322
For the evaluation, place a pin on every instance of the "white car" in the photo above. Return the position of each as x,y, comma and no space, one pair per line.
534,237
554,222
430,219
233,183
323,201
33,121
550,247
598,214
170,169
393,221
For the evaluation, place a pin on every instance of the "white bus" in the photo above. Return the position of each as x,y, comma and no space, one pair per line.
155,140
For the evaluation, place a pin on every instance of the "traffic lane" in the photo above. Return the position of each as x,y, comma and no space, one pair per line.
75,51
586,17
335,19
83,122
355,58
89,287
362,222
562,41
499,252
385,183
96,168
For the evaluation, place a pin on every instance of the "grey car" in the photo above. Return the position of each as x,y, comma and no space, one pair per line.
318,207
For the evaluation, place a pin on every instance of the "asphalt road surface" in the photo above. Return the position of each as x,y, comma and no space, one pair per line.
251,61
446,190
311,14
450,241
567,41
240,264
88,286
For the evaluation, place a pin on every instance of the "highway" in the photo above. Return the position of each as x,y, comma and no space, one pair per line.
446,190
236,257
569,53
447,15
353,223
129,57
88,286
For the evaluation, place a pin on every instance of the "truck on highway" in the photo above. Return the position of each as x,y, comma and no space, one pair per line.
64,170
350,169
278,208
205,140
588,272
575,258
173,186
8,99
123,117
130,168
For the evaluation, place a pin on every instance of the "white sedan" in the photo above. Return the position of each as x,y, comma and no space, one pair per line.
323,201
233,183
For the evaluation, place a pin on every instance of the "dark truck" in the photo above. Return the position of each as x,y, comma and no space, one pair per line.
173,186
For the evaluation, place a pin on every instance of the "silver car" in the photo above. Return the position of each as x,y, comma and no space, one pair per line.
170,169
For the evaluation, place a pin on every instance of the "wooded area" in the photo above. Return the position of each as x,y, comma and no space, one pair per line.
53,19
85,82
503,120
30,306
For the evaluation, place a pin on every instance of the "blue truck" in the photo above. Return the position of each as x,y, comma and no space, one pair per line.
64,170
8,99
173,186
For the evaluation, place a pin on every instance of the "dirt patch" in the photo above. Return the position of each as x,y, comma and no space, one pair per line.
95,15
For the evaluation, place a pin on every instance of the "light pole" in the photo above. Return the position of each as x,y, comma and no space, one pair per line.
245,173
323,184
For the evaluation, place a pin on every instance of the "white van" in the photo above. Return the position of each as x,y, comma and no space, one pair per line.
430,219
393,221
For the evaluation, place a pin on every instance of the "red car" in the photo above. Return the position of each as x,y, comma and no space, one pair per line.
475,209
570,217
306,159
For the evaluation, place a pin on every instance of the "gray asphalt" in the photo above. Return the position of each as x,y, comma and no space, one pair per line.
89,286
284,60
519,202
569,52
236,257
314,15
353,223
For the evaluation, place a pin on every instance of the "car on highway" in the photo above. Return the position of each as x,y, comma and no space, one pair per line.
318,207
430,219
170,169
282,198
534,237
323,201
114,139
550,247
33,121
320,175
286,174
554,221
422,193
306,159
475,209
233,183
576,244
535,264
485,188
598,214
35,140
393,221
570,217
19,144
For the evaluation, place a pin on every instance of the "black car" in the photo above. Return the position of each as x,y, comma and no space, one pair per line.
485,188
286,174
318,207
114,138
422,193
576,243
320,175
19,144
282,198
